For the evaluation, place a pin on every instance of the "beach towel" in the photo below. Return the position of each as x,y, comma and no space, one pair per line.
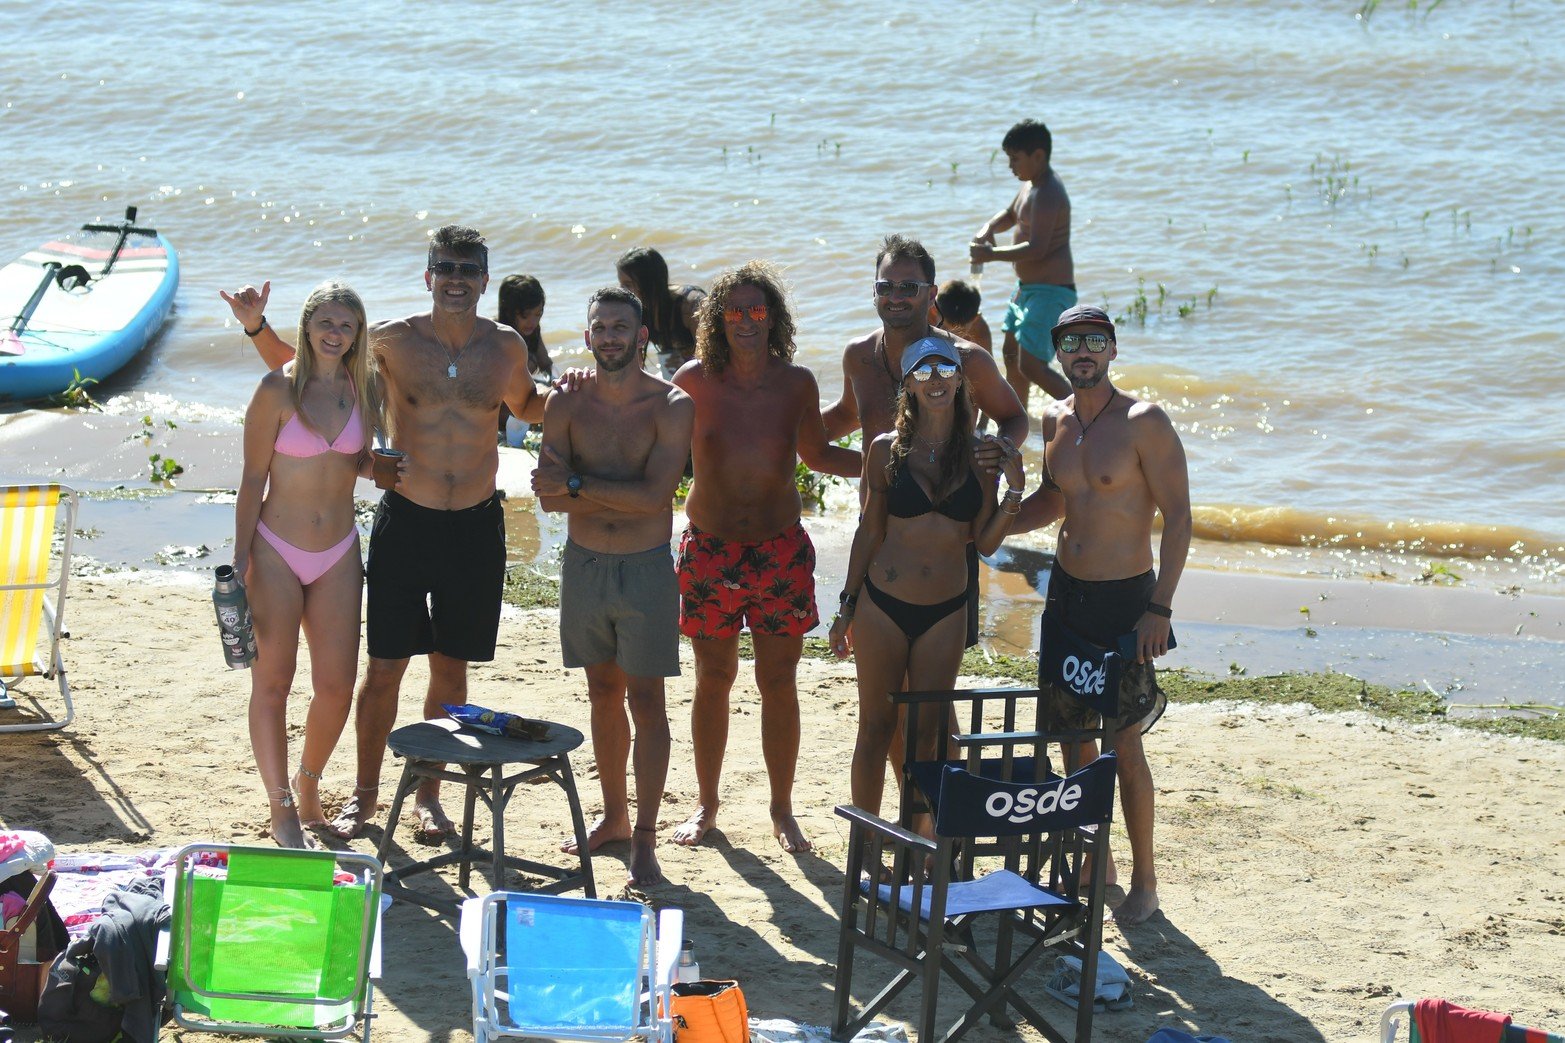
1180,1036
782,1030
1440,1021
1113,985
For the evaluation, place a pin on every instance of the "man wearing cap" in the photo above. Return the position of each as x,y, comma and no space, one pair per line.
1113,461
904,287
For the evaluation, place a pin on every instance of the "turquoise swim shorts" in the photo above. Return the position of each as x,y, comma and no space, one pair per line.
1032,312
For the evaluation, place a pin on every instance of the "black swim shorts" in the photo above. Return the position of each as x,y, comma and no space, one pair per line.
434,580
1102,611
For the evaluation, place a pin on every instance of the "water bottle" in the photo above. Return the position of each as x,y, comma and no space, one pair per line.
688,969
233,619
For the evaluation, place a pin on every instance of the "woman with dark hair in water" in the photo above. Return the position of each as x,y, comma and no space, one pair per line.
669,312
926,501
521,308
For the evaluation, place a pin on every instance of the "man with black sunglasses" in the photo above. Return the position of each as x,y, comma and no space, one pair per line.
903,289
1112,462
436,563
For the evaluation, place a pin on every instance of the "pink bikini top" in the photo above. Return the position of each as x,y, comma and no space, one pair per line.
297,440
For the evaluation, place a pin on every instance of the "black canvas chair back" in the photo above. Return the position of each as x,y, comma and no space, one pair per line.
906,903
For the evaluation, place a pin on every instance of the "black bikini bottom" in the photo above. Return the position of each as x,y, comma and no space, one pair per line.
913,620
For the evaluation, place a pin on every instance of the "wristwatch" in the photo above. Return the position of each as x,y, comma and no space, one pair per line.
573,485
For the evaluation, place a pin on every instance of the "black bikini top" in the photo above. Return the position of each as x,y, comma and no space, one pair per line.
907,499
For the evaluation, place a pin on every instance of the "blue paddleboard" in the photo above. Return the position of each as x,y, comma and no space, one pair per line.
85,303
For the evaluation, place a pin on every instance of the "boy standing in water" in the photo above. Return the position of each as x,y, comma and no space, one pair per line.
1041,253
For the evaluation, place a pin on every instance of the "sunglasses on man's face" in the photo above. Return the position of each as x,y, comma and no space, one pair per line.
901,288
943,369
1070,343
466,269
735,314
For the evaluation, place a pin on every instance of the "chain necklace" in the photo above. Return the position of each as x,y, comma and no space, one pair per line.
1088,426
934,447
451,369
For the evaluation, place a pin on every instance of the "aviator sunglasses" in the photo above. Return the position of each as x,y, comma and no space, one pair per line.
1070,343
735,314
944,369
902,288
466,269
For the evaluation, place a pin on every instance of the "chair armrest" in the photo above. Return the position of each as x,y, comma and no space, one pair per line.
385,903
471,931
890,830
671,936
165,939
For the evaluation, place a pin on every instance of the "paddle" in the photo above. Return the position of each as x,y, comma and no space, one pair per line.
125,229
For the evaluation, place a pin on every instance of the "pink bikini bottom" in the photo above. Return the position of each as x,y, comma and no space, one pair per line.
308,565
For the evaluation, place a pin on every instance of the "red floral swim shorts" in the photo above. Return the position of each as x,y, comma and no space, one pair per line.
726,585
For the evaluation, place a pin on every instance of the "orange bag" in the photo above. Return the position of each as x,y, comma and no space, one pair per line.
710,1012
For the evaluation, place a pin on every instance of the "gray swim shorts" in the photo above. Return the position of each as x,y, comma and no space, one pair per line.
620,607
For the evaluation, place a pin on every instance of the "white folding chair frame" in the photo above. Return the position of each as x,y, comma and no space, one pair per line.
478,931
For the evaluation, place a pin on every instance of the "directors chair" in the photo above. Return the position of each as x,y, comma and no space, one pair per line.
903,902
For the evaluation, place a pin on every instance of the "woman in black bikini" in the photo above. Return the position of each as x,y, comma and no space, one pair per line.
903,611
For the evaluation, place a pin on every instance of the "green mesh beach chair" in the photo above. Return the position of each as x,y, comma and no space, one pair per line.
278,946
1407,1012
554,967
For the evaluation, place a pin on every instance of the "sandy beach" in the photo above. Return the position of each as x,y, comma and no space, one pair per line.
1312,866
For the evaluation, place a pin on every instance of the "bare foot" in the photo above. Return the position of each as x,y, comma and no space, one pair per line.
433,823
786,829
356,813
644,868
311,815
696,826
1138,906
287,832
602,832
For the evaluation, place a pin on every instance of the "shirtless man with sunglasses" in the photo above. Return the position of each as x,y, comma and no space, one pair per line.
440,534
1112,462
744,558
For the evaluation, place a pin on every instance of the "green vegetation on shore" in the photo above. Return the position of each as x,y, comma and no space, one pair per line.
1329,692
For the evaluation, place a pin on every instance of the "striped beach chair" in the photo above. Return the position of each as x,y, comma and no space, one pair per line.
1445,1017
32,596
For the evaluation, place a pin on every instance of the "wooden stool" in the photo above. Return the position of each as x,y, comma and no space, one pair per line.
430,745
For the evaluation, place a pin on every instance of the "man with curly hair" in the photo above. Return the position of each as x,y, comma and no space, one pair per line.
745,559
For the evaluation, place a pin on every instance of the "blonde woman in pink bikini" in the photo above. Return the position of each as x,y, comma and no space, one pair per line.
307,437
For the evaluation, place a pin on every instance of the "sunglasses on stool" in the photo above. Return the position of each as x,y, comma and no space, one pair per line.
736,314
945,371
1070,343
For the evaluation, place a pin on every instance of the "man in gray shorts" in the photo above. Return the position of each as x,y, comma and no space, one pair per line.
613,453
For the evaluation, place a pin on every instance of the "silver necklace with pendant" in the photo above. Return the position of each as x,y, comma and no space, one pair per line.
1085,427
451,369
932,447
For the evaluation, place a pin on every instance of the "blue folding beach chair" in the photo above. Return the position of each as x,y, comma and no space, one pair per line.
555,967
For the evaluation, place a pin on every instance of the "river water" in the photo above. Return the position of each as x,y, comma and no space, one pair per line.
1345,231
